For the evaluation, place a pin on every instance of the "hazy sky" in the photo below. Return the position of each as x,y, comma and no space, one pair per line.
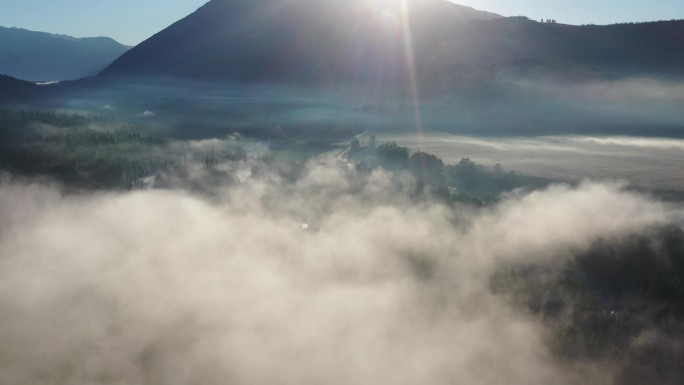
132,21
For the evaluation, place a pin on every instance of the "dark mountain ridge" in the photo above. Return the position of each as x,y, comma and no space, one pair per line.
40,56
340,41
264,63
14,90
293,40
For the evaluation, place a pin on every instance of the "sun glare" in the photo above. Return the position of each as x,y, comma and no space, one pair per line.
411,66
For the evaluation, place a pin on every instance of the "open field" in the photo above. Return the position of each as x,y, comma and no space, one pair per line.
649,163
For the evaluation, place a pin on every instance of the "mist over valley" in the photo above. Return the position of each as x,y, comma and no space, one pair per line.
348,192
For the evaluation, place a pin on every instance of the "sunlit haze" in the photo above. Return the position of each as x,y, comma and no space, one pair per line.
130,21
342,192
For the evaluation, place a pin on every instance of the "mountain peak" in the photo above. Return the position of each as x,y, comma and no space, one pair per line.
291,40
343,41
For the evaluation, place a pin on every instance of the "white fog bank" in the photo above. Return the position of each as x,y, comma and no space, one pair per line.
167,287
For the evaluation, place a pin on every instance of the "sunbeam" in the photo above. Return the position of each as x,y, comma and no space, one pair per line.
411,67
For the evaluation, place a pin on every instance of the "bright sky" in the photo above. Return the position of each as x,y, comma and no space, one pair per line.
132,21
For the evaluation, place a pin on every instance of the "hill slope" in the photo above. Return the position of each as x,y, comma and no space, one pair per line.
347,40
293,40
14,91
39,56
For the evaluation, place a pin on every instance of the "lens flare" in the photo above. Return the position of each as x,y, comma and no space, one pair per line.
411,67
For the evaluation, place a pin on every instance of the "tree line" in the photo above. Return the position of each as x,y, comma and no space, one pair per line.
464,180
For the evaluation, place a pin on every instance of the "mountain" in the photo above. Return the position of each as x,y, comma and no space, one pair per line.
340,41
293,40
14,90
39,56
629,49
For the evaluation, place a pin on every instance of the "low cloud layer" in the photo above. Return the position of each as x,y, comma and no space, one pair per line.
172,287
649,163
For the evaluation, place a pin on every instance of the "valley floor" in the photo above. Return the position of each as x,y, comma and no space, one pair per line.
645,163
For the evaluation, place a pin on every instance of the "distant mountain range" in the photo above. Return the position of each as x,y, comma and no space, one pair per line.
340,41
330,42
39,56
